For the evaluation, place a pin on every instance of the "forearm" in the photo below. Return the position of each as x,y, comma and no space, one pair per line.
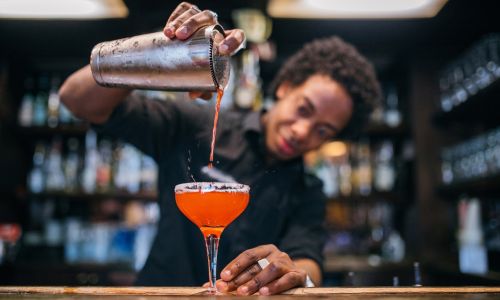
87,100
312,269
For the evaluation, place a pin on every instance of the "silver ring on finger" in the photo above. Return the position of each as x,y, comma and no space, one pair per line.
263,263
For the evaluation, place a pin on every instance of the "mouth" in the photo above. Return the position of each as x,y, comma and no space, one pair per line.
285,147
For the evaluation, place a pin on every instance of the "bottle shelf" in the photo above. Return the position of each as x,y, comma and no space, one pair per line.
487,186
66,274
354,263
451,270
374,197
67,130
123,196
482,107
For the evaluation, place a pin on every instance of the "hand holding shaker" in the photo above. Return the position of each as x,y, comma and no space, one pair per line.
153,61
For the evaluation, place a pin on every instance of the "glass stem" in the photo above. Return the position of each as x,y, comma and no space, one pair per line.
212,244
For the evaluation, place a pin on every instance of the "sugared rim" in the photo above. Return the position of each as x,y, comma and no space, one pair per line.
212,187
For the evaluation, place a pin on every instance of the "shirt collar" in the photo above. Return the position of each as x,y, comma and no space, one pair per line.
251,122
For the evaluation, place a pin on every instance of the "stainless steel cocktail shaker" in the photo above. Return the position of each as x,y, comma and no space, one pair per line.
153,61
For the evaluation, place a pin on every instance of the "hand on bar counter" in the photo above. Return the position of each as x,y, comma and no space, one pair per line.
264,269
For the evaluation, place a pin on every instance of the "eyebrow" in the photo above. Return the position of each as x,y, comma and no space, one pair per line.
310,105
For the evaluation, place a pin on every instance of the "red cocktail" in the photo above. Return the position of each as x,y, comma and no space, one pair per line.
212,206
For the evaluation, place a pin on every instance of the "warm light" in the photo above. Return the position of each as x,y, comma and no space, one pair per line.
334,149
354,9
62,9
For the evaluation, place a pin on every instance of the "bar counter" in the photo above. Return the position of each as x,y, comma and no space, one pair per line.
165,293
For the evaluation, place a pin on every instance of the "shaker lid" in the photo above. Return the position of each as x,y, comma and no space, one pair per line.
220,64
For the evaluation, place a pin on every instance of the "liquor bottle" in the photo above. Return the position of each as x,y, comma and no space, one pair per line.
36,178
364,168
103,174
133,161
91,159
384,167
72,166
392,114
149,173
345,176
25,115
248,94
41,99
472,251
128,169
54,168
53,103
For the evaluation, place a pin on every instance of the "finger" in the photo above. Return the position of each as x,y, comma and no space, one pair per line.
206,284
242,278
272,272
206,96
234,41
178,11
176,26
193,23
284,283
194,95
245,260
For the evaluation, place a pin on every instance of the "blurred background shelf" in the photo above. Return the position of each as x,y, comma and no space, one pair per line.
482,107
488,186
122,196
64,130
374,197
66,274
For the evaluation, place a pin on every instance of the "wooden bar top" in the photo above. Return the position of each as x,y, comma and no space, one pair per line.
145,293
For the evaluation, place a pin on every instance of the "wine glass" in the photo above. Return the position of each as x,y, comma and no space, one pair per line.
212,206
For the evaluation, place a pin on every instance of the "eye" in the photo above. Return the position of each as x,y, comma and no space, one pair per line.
324,132
303,111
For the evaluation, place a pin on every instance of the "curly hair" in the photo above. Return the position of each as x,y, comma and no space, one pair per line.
343,63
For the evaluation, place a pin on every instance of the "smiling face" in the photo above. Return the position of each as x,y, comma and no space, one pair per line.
306,116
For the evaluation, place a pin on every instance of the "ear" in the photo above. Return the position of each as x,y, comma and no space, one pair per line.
283,89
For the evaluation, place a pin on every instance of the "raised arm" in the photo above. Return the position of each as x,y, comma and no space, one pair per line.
91,102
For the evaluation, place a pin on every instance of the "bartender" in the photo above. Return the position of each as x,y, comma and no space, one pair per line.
323,92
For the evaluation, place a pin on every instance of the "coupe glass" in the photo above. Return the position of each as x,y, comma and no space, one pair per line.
212,206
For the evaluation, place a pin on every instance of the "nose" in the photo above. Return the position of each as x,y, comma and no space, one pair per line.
301,129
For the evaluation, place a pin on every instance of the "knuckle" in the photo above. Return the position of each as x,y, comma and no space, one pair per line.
283,255
190,23
253,270
302,273
237,266
185,5
210,14
175,23
272,247
257,283
236,282
251,255
276,267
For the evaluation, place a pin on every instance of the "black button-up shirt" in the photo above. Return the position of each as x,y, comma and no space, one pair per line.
286,207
